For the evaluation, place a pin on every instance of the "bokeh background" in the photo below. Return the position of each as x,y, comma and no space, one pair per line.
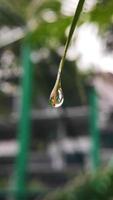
43,149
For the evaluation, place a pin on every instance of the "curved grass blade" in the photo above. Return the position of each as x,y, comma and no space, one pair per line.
73,26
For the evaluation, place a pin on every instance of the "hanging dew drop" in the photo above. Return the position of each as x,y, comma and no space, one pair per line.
57,98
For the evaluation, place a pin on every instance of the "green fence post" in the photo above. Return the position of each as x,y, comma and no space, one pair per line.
24,125
94,127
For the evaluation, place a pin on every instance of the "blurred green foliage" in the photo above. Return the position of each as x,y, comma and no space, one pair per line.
93,186
102,14
30,12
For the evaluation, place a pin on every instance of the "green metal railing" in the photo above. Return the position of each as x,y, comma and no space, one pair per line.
24,131
94,128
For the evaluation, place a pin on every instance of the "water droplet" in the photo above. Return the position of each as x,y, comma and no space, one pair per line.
56,97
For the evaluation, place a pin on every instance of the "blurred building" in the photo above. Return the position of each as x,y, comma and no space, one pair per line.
60,145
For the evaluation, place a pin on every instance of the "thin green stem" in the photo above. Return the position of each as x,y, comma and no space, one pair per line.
73,26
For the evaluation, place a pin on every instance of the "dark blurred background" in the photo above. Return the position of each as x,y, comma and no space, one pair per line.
33,33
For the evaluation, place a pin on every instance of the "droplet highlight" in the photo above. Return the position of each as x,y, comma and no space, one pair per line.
56,98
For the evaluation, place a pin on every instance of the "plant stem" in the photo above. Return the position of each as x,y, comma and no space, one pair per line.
73,26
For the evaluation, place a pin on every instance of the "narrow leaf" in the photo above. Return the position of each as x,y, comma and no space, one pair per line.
55,96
